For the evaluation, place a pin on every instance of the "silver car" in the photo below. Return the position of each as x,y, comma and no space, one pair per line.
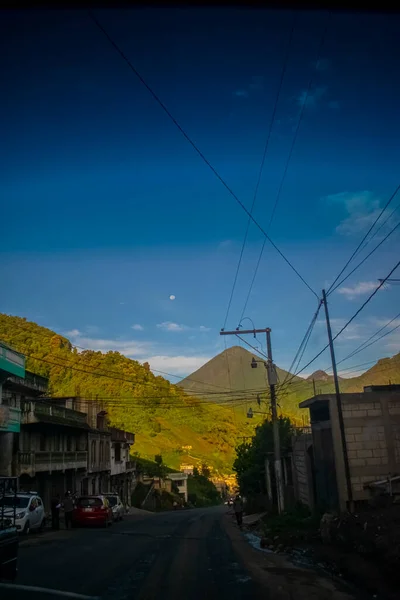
117,507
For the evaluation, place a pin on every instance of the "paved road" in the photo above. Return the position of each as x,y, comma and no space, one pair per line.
184,554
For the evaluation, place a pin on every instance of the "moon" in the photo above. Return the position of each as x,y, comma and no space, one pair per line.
172,297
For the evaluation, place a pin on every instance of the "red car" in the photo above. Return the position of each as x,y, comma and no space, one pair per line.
92,510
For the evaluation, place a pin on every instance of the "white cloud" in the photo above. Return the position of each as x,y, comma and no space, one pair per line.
137,327
241,93
73,332
177,365
169,326
362,209
130,348
354,331
92,329
359,289
322,64
312,97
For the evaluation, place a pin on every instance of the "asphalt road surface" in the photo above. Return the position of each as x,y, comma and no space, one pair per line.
182,554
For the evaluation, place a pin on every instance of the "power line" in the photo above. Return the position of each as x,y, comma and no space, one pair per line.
202,156
284,67
106,370
363,240
283,178
303,342
366,344
365,258
252,347
396,208
351,319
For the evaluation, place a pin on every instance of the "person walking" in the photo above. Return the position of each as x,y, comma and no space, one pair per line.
238,510
55,511
68,509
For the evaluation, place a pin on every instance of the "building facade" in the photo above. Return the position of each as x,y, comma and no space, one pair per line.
52,455
372,437
123,469
12,363
181,482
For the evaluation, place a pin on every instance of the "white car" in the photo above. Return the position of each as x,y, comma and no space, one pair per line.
29,511
118,509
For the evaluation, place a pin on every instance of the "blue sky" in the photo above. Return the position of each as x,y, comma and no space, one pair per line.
109,211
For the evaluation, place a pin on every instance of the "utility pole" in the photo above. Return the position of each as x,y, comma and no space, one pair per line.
272,381
313,384
339,405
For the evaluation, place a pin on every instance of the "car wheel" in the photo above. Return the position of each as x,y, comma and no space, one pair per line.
105,524
42,524
26,529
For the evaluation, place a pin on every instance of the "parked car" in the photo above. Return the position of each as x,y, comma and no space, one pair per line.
95,510
8,531
117,507
29,511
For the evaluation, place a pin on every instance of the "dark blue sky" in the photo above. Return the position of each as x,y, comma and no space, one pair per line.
94,173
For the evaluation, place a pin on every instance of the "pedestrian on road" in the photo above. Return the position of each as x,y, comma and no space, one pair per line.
55,511
238,509
68,508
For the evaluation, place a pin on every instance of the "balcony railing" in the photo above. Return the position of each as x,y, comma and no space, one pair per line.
10,418
103,465
119,435
33,412
36,462
32,382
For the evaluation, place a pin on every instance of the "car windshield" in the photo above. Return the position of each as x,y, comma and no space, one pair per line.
11,501
89,502
113,500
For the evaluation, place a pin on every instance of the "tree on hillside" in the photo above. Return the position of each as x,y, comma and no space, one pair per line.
249,465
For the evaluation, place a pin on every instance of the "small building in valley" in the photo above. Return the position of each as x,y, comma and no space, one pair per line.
180,480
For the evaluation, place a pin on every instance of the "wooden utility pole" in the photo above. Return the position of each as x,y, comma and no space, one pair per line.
339,405
272,381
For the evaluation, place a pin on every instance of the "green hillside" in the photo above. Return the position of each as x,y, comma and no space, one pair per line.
164,418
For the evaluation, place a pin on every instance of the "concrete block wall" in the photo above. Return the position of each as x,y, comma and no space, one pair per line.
301,475
372,431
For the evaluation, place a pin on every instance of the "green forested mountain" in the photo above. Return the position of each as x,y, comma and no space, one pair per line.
164,418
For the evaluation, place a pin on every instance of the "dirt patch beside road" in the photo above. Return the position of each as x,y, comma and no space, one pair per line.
282,579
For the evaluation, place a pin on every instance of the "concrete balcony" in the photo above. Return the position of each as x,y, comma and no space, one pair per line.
44,412
30,384
119,435
10,418
122,466
36,462
11,361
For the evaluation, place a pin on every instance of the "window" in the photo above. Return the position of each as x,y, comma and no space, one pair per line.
93,452
42,442
117,455
179,483
39,502
89,502
69,443
101,452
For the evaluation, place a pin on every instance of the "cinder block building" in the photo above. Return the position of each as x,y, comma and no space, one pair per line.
372,435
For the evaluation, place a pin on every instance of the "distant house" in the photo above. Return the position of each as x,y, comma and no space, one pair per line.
181,482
